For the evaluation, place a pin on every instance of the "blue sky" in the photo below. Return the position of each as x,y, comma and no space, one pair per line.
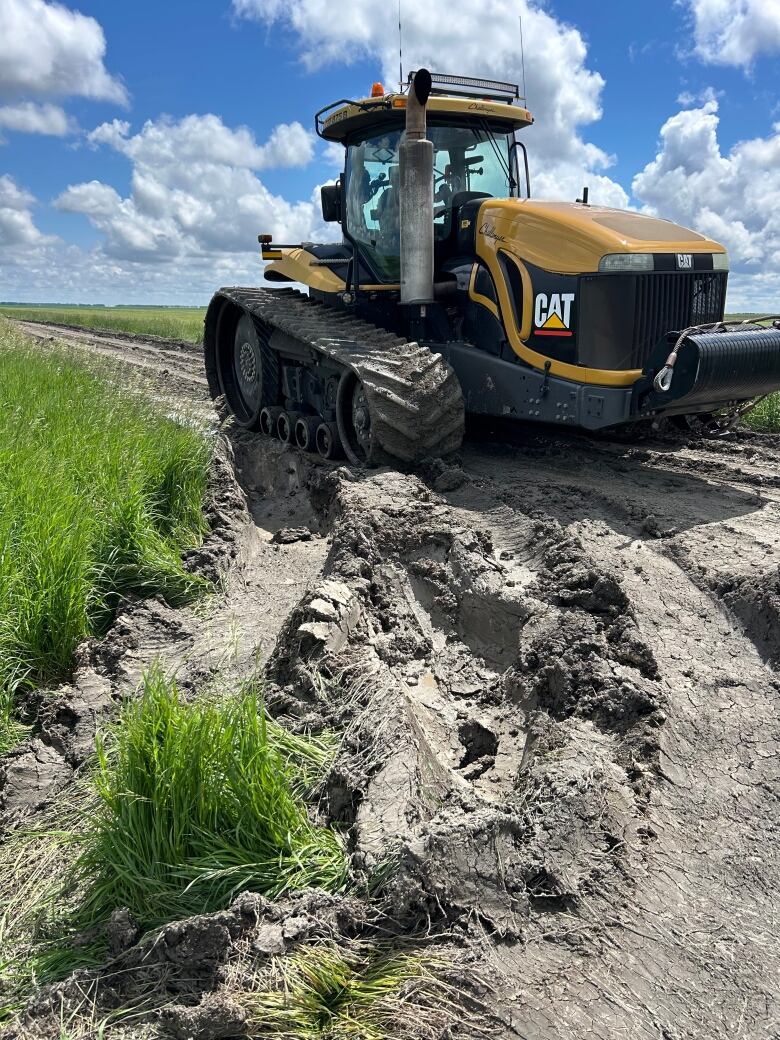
123,214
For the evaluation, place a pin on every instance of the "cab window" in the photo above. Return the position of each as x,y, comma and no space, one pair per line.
466,159
373,200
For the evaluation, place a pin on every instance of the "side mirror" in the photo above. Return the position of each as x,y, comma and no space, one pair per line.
331,202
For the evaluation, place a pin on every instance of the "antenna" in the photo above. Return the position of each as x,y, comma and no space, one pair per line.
400,52
522,54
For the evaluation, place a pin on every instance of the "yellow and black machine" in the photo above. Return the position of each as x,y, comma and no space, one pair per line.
451,290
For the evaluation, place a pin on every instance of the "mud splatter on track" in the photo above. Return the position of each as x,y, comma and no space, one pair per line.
553,664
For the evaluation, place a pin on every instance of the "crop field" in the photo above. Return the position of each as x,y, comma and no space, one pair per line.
181,323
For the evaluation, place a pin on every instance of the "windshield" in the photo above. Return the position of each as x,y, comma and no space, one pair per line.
466,159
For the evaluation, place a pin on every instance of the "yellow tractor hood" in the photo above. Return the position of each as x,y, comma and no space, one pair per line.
570,238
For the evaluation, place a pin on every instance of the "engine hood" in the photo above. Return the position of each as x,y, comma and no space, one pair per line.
570,238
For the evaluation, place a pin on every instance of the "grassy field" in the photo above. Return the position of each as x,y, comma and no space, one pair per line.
99,494
185,323
765,417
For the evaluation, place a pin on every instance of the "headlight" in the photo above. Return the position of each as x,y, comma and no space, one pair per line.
720,261
626,262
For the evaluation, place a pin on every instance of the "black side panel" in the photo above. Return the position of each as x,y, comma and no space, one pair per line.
554,316
483,284
483,330
466,227
606,316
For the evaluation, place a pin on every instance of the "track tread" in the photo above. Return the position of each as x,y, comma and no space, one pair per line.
415,398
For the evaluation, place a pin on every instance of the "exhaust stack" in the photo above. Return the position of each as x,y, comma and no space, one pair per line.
416,200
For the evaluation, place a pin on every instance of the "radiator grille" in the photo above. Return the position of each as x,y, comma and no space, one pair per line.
667,302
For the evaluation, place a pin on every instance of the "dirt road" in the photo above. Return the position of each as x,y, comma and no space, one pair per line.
556,667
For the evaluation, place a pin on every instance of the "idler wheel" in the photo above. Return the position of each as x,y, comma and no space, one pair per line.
353,417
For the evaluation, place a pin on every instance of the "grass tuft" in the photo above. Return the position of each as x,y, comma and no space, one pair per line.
190,803
99,494
360,993
183,323
35,914
12,732
199,801
765,417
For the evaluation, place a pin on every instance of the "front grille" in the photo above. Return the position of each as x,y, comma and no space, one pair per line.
673,301
623,317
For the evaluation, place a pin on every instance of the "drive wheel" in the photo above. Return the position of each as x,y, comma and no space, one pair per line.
244,376
353,417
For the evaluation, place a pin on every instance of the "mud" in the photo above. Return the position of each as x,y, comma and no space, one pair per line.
553,665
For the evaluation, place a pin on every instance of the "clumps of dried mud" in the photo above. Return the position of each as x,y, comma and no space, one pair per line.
499,715
501,735
183,974
755,601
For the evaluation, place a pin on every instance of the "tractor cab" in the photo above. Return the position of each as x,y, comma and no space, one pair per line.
471,124
470,162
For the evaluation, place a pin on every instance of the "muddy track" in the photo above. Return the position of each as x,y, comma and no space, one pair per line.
554,664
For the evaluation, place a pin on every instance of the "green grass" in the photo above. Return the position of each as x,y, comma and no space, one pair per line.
765,417
184,323
199,801
189,803
99,494
358,993
11,730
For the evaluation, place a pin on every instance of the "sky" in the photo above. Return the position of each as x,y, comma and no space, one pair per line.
143,146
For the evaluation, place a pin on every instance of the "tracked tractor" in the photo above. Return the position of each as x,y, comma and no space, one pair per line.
451,290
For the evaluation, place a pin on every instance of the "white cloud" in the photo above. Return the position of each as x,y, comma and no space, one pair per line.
734,198
735,32
89,276
45,48
198,138
93,198
12,196
17,228
475,39
193,190
30,118
688,98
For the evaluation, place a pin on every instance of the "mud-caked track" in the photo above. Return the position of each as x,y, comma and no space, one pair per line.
553,664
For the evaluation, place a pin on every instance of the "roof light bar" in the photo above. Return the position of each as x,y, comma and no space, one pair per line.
491,89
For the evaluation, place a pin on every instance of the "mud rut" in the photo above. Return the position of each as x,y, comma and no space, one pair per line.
554,668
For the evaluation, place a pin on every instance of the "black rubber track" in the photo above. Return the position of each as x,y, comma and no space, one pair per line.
414,396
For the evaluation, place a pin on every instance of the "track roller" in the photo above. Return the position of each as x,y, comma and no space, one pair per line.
285,426
306,432
328,442
268,420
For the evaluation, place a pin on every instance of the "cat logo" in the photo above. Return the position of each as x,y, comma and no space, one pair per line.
552,314
684,261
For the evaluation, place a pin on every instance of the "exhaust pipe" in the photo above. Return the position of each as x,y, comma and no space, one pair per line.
416,201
